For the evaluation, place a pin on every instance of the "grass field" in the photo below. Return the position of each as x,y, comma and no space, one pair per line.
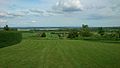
60,54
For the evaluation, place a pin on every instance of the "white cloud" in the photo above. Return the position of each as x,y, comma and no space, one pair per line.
37,11
34,21
17,14
68,5
3,14
95,4
107,12
3,21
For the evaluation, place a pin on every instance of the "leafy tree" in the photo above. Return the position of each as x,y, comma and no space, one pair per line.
43,35
84,26
85,31
6,28
101,31
118,32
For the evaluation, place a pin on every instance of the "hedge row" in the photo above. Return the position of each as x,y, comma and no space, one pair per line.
9,38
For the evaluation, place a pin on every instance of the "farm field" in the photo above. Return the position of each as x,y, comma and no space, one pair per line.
31,53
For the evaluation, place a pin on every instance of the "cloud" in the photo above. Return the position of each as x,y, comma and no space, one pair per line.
34,21
17,14
68,5
3,21
95,4
4,2
4,14
107,12
39,12
55,12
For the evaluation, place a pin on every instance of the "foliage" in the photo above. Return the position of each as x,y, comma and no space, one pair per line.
118,32
6,28
9,38
101,31
111,36
43,34
73,35
85,31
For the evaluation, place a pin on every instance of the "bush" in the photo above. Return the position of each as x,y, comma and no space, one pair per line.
73,35
111,36
9,38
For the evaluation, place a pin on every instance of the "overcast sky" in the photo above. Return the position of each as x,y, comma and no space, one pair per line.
43,13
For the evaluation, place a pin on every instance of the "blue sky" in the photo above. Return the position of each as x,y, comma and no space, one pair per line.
43,13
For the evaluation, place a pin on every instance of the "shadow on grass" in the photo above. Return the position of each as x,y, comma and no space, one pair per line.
106,41
114,42
9,38
10,43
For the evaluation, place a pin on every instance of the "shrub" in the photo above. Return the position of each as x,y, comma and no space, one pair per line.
9,38
111,36
73,35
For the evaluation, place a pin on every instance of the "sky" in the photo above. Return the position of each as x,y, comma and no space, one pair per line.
59,13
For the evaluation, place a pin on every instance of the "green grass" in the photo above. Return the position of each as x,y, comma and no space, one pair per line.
60,54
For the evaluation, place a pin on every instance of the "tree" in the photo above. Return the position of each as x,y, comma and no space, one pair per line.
6,28
117,35
43,35
85,31
101,31
84,26
118,32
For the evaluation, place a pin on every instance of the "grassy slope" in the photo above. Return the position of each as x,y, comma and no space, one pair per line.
60,54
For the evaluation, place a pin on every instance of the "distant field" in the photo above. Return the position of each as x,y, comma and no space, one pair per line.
60,54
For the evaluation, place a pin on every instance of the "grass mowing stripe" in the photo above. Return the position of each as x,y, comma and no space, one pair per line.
91,50
46,53
60,54
82,56
66,61
106,57
20,56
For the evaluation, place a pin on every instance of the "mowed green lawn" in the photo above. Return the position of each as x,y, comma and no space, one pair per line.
60,54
